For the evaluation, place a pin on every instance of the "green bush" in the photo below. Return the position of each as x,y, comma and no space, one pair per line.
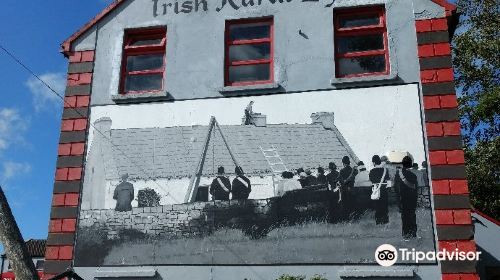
289,277
148,198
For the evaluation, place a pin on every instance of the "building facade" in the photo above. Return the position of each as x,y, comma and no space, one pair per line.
255,138
36,250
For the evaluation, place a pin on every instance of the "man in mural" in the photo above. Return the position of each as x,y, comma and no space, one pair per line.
391,168
310,180
124,194
406,181
287,183
332,177
241,187
321,180
362,190
302,177
379,176
346,179
221,186
249,114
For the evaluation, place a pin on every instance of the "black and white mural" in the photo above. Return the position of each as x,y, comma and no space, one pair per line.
302,178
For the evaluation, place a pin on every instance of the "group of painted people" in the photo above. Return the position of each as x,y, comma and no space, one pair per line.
223,189
356,190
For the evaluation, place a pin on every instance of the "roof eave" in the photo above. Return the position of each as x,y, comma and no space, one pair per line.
67,44
448,7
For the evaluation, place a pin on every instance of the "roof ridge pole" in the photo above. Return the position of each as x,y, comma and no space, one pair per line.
195,179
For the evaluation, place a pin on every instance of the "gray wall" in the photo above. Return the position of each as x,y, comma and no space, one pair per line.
260,272
195,57
195,47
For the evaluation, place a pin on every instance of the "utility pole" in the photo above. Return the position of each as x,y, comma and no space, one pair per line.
13,242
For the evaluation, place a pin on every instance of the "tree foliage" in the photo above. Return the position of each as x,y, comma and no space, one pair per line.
483,165
477,64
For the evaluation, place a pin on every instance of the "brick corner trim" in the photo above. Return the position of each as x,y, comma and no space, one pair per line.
69,168
446,157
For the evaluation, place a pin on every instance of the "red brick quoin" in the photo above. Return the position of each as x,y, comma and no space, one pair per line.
436,101
66,197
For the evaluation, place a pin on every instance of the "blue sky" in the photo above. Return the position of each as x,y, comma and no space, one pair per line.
30,116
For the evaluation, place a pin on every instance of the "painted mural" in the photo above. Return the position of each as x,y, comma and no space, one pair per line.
303,178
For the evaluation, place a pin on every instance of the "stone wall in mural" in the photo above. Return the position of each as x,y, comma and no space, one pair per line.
304,178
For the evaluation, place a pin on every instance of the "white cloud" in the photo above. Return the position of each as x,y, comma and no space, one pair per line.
12,126
12,169
43,97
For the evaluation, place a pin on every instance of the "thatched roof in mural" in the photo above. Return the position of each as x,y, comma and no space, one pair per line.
174,152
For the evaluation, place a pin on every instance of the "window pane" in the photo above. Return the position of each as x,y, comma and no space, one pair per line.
144,62
143,82
360,43
249,52
259,72
146,42
249,32
357,21
39,264
360,65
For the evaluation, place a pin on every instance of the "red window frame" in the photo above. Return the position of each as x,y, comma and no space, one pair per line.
228,42
132,36
380,28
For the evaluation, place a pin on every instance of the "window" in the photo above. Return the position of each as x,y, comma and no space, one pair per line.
39,264
143,65
361,43
249,52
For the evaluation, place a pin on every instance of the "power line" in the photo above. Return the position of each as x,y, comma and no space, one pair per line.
18,61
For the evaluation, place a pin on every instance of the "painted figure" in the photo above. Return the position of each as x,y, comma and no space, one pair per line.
346,179
249,114
310,180
124,194
221,186
241,187
287,183
382,204
321,180
333,184
362,190
302,177
333,176
407,183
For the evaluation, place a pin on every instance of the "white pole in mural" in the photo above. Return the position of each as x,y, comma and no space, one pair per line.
195,179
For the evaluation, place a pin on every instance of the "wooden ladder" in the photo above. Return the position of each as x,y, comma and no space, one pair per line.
275,163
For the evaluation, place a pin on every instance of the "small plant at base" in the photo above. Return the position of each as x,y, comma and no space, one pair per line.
148,198
289,277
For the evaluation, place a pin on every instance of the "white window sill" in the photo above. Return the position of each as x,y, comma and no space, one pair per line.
113,273
365,79
378,273
141,97
257,87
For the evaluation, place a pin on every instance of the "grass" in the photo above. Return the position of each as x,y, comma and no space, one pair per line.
313,242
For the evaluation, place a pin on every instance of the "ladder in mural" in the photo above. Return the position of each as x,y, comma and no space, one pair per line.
274,160
275,163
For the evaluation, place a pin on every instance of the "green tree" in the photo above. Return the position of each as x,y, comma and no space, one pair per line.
476,48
